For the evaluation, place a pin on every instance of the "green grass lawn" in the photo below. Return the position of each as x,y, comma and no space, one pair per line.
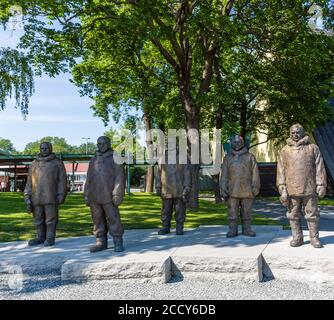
138,211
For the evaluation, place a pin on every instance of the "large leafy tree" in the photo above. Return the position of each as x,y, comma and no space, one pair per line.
127,76
274,56
280,77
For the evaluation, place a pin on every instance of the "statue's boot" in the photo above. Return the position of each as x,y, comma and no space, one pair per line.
50,235
118,244
297,234
232,229
101,244
35,242
165,228
40,236
247,229
313,227
179,228
164,231
49,242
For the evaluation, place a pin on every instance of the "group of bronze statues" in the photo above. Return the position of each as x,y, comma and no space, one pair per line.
301,179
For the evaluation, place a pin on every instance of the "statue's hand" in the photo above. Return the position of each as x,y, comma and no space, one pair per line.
321,191
117,200
60,198
158,191
185,194
29,206
255,191
225,195
282,189
284,198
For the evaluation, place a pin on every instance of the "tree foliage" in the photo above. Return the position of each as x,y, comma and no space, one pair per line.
89,148
16,79
7,146
274,73
60,145
189,60
241,65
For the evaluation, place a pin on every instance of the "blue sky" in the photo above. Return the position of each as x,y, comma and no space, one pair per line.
56,109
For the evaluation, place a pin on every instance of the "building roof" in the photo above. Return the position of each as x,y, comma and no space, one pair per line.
324,137
3,153
27,159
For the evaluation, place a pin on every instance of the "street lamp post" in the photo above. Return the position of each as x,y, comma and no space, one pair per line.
86,144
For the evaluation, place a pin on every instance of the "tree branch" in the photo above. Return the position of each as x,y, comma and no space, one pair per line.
228,7
176,47
166,54
259,143
149,70
208,66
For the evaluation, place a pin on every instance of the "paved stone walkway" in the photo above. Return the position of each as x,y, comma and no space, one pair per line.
274,210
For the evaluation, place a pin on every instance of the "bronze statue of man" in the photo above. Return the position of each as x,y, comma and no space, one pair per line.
45,190
104,192
240,183
301,178
173,185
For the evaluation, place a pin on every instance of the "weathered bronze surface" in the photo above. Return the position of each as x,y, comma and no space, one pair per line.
45,190
104,192
301,179
173,183
240,183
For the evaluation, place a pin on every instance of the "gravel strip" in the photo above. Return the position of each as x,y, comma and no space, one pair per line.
51,287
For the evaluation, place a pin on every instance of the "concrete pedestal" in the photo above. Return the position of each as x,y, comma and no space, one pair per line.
305,263
209,251
146,258
204,251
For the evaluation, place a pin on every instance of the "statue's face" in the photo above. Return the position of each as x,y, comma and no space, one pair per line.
103,144
45,150
237,143
296,133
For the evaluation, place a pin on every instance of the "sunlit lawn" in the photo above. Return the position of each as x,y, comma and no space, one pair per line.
138,211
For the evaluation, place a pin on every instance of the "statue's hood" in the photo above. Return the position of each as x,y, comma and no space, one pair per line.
50,157
107,154
302,142
240,152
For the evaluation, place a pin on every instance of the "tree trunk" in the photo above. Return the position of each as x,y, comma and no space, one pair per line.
149,179
150,170
219,124
194,192
215,178
243,120
192,122
216,188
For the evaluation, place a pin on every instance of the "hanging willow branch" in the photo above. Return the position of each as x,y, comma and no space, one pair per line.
16,79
